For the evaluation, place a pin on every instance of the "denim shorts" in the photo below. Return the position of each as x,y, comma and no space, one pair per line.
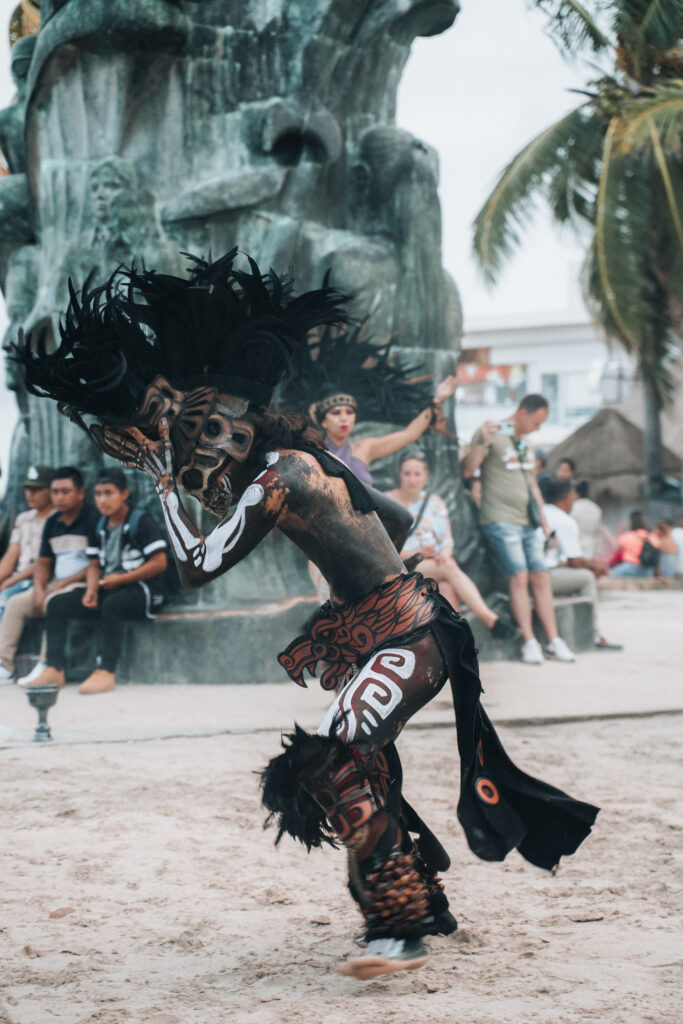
515,548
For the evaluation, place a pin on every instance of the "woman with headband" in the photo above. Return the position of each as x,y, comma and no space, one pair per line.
336,416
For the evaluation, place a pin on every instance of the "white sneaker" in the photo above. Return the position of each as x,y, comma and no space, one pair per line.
532,654
386,956
558,649
6,677
33,674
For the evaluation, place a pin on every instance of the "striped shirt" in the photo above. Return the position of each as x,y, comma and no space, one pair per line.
68,545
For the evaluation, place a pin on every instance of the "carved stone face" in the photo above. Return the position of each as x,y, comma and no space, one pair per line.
209,436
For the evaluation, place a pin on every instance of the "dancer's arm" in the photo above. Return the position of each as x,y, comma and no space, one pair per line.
370,448
200,558
395,519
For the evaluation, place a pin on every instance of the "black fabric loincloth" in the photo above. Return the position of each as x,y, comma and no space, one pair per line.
500,807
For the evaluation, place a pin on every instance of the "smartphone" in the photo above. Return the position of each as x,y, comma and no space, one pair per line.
507,429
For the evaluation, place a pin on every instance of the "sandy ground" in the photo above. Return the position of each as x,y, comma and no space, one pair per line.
139,887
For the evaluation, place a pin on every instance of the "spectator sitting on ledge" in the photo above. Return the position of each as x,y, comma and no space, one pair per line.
18,563
639,549
570,572
61,566
430,536
127,552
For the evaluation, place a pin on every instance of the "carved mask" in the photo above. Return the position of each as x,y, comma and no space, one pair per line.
226,440
208,435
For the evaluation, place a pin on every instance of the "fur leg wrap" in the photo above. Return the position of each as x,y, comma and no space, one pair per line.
316,779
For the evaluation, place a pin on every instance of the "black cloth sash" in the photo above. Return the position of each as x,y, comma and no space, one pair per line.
361,498
500,806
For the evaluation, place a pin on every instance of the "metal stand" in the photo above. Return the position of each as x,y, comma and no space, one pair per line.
42,698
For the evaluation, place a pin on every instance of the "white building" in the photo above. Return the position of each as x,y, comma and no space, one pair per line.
569,363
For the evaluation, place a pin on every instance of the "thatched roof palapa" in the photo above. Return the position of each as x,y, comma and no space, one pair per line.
608,451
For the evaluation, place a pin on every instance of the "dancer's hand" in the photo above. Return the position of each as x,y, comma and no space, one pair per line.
445,389
135,450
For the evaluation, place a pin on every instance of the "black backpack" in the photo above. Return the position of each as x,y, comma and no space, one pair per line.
169,580
649,555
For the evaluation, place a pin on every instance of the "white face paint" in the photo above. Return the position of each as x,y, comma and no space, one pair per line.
272,458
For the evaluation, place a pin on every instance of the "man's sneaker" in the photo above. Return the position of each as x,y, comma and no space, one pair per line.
33,674
6,677
50,676
100,681
504,630
532,653
386,956
558,649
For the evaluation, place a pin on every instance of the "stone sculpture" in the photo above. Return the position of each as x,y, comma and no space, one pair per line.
154,127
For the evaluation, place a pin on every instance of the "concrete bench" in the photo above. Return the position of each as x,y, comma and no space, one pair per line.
241,646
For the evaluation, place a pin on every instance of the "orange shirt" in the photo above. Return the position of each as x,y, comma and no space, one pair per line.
631,544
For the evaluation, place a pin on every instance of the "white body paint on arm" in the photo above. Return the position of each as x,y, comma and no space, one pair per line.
182,540
227,533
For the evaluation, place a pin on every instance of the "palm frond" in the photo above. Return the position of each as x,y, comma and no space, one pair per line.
631,267
530,174
655,347
650,23
617,251
662,108
674,196
571,26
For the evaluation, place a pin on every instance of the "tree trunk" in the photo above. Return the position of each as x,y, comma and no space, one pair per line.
652,434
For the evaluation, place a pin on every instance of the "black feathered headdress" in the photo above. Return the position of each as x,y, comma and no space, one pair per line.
345,361
237,330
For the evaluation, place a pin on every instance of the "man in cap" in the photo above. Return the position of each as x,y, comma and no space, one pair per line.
60,565
18,562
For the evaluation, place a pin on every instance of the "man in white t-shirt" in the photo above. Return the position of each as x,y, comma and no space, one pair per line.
677,538
570,572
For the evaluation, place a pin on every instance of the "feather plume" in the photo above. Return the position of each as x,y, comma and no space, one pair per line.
244,329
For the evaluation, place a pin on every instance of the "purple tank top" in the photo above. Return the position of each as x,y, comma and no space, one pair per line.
358,468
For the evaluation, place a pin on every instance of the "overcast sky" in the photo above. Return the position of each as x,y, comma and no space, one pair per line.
477,93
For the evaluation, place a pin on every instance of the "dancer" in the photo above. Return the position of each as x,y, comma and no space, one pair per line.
180,374
336,416
430,536
339,366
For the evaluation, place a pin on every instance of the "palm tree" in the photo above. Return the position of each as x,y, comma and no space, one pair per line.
613,169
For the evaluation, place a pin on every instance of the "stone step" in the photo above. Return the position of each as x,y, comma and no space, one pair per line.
574,623
241,646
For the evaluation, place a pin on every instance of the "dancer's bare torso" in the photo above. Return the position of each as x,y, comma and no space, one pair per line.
354,550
